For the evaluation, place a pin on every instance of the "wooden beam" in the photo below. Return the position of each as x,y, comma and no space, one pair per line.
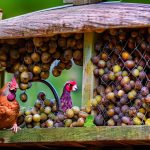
67,1
82,2
1,68
88,67
127,135
71,19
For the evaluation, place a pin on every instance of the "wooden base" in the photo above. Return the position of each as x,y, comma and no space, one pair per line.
79,137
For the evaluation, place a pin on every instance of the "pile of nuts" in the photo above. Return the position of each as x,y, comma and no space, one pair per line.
122,64
30,59
45,114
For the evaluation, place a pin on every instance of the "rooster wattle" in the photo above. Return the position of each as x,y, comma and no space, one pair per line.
65,99
9,107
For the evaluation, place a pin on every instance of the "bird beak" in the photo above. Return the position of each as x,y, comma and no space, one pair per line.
75,88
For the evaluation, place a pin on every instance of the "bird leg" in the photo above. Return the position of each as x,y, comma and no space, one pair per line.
15,128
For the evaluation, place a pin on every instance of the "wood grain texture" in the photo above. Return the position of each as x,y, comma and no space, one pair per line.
82,2
1,68
85,18
128,135
88,67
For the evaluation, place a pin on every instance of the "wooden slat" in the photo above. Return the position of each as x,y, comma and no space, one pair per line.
88,67
1,72
85,18
81,2
127,135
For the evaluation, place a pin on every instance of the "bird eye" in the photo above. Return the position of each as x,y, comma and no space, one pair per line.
9,84
70,85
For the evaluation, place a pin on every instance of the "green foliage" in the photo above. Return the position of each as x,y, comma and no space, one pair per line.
89,121
13,8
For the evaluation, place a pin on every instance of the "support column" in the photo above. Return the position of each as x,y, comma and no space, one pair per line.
88,81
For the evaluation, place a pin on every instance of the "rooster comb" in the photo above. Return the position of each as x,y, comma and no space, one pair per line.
72,82
14,81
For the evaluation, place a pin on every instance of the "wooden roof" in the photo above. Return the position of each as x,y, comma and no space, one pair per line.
69,19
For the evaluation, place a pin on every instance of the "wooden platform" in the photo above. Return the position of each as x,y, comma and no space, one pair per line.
79,137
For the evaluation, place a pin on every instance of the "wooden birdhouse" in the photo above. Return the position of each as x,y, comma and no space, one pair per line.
115,41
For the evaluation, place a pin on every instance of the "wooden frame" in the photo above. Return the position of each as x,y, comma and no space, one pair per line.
95,18
81,2
84,136
88,81
1,72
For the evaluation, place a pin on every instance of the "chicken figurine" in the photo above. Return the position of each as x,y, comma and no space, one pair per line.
9,107
65,99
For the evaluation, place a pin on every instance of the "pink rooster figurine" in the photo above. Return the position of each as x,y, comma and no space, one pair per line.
65,99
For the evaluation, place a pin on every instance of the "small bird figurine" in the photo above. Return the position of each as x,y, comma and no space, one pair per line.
65,99
9,107
41,97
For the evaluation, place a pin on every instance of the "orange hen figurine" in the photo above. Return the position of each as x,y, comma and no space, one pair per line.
9,107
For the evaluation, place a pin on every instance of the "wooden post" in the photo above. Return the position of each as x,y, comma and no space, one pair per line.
1,72
4,76
82,2
88,81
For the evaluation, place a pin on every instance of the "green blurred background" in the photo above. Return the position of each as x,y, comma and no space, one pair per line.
13,8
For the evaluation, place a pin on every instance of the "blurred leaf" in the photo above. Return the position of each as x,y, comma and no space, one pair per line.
89,121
